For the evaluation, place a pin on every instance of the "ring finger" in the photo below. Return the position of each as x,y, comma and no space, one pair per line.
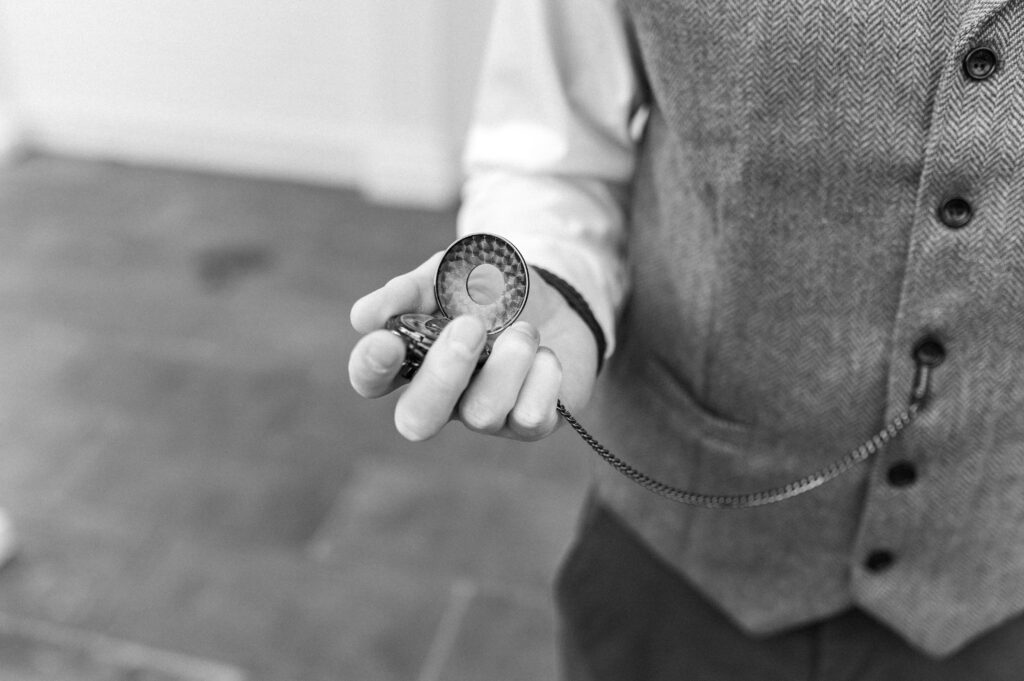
493,393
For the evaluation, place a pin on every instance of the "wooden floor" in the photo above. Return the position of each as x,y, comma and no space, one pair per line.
199,493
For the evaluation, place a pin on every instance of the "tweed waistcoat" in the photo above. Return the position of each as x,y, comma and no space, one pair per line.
793,240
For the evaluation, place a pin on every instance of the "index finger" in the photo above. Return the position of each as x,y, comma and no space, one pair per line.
409,292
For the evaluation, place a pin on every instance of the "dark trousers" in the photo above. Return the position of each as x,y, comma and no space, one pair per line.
627,616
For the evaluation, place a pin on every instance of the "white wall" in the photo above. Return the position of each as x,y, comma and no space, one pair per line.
368,93
9,130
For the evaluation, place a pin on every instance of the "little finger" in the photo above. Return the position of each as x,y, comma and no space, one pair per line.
534,415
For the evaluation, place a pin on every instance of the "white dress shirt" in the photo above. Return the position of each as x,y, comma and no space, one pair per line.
550,152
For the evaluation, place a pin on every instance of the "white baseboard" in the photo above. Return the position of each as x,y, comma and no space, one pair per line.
395,166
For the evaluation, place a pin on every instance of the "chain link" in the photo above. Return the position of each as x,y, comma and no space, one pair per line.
751,499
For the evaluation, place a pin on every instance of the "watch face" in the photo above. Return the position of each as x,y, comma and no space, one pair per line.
482,275
485,276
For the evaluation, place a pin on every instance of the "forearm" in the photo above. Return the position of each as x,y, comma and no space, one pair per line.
550,153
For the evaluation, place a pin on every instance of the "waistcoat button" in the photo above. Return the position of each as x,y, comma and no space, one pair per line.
980,63
955,213
929,352
902,474
878,561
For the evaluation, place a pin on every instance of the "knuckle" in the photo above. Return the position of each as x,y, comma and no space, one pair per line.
460,353
363,387
412,427
526,330
397,285
377,364
443,383
546,355
406,291
481,415
531,422
520,337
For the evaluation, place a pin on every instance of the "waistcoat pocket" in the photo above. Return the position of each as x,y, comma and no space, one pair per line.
662,429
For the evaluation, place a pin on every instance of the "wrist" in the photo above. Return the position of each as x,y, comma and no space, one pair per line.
578,305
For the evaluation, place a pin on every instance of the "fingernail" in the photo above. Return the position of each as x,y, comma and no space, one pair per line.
467,331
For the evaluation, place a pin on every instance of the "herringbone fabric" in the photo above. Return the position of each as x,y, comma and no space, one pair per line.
787,255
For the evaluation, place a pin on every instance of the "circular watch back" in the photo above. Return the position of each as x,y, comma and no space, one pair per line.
452,281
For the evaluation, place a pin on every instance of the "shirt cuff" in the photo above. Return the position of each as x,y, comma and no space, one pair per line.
564,228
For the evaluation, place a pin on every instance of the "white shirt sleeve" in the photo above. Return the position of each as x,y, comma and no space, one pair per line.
550,152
